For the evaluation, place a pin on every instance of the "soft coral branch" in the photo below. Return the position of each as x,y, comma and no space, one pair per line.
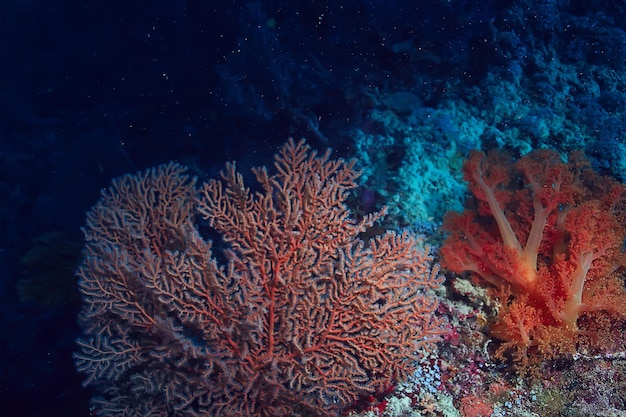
488,177
548,179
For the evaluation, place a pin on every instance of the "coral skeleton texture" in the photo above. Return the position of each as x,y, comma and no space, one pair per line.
296,315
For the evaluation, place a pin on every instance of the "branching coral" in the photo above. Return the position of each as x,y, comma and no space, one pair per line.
303,318
547,236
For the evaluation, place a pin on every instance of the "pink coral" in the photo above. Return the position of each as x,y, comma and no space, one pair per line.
301,318
547,236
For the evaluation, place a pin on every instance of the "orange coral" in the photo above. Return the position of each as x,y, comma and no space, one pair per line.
302,317
474,406
547,236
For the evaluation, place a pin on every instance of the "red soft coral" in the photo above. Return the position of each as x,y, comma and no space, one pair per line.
548,237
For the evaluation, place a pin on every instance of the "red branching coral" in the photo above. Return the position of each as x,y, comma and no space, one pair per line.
548,237
302,319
